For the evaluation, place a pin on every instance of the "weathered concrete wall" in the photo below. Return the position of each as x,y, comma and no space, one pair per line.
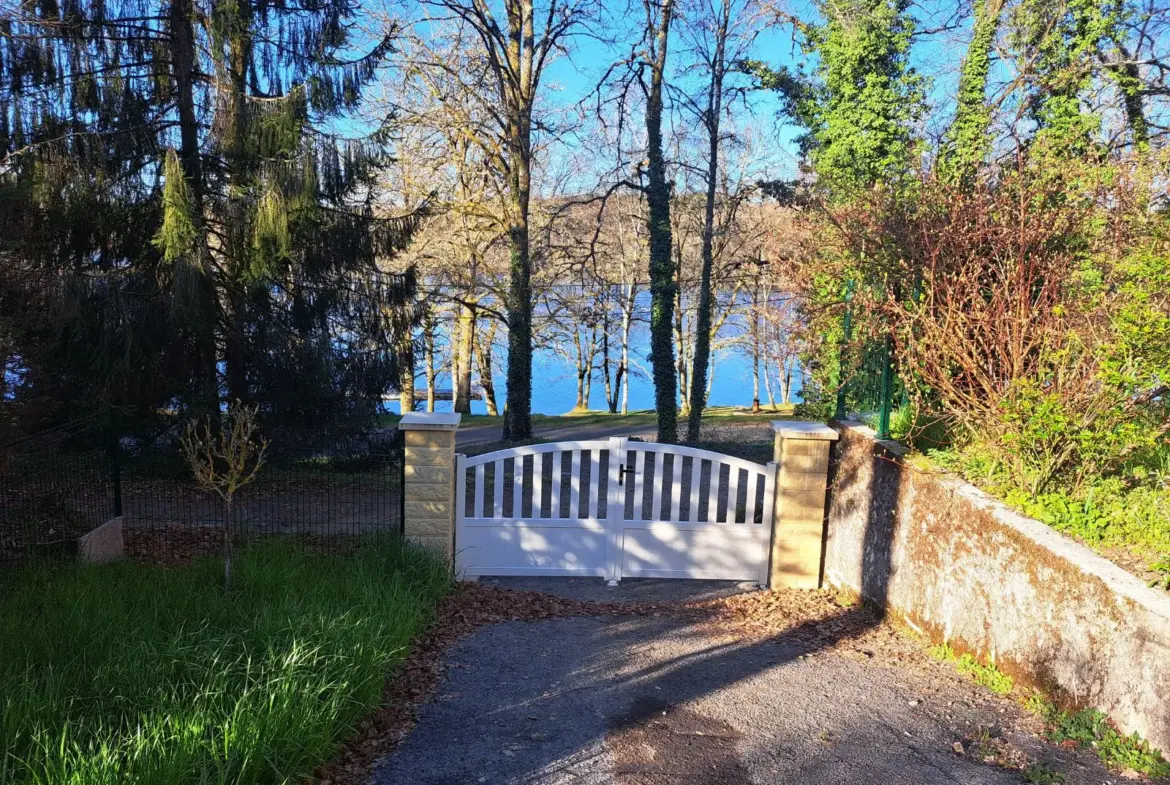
961,566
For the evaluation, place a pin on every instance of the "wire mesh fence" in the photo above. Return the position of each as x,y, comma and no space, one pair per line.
57,485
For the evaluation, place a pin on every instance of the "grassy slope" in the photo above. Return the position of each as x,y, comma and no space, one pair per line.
126,673
594,417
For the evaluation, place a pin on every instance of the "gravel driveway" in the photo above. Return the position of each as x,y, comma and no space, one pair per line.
652,700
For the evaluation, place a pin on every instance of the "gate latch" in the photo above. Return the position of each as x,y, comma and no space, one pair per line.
622,472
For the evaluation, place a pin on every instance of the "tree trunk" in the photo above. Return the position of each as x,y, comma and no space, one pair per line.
239,179
462,351
590,358
662,283
711,122
710,377
429,359
611,393
483,357
518,409
768,387
521,80
227,546
406,399
624,370
183,64
755,328
680,340
235,361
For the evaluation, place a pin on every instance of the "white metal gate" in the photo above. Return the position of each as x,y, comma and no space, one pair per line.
613,509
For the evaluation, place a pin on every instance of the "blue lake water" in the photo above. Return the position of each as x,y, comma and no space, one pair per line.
554,385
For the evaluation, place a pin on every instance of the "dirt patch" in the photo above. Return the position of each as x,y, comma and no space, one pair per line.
660,744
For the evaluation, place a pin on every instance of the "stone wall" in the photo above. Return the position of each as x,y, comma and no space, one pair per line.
960,566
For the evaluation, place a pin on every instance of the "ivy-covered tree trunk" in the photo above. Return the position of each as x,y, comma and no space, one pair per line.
518,407
711,122
967,139
663,289
1129,82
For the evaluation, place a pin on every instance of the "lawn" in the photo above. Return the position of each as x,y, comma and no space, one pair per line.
598,417
130,673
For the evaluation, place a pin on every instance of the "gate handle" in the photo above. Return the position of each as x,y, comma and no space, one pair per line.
622,472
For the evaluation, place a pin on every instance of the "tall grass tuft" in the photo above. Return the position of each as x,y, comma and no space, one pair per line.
132,674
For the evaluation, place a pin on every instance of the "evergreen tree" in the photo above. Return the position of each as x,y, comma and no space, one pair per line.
188,150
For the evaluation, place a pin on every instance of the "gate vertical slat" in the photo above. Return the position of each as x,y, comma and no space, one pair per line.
479,491
558,466
675,487
769,512
498,489
460,492
696,480
518,486
750,502
537,484
640,484
733,494
575,486
713,497
592,503
616,509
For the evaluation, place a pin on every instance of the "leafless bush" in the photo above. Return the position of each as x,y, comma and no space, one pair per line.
224,456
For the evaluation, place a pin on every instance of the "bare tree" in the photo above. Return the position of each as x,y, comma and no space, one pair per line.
224,456
505,50
719,33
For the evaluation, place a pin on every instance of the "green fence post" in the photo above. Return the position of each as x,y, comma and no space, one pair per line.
887,390
847,327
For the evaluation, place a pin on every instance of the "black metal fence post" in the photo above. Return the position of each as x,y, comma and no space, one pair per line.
116,465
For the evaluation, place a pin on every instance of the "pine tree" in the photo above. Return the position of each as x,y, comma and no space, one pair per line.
188,148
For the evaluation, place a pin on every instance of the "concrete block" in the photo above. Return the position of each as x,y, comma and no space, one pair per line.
441,546
427,509
103,544
430,439
428,491
427,474
801,505
428,527
803,481
429,456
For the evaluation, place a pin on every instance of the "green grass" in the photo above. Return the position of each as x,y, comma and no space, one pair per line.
1092,729
1039,774
988,676
132,674
595,417
1129,513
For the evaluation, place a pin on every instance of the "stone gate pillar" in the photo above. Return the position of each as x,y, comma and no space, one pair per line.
429,487
798,518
